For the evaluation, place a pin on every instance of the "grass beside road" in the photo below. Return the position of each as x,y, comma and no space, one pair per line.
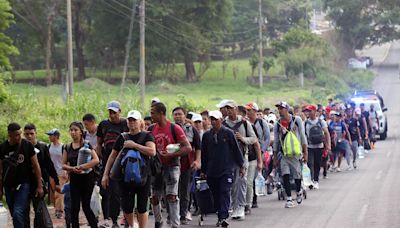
45,107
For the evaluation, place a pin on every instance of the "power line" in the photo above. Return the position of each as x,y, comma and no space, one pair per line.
194,26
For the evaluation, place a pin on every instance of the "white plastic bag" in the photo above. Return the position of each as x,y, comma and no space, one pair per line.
260,185
95,201
360,152
306,176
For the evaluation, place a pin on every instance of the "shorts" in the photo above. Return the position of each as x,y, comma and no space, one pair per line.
128,193
169,178
290,166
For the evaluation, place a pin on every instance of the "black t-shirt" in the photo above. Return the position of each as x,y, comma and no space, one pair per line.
353,125
140,138
24,166
362,129
109,132
73,153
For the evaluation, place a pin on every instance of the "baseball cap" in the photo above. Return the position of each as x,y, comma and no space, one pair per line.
134,114
196,117
155,100
310,108
216,114
54,132
230,103
251,106
283,104
222,103
114,106
337,114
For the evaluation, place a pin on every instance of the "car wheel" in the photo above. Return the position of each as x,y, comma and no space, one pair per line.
383,136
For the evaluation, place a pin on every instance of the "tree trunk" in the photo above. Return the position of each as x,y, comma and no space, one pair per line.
79,41
190,69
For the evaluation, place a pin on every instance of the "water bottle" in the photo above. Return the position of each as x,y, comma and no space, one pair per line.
3,215
260,185
85,156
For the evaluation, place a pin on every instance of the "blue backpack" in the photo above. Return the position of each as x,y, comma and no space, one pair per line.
134,168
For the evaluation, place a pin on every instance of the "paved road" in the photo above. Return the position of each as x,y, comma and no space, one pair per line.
366,197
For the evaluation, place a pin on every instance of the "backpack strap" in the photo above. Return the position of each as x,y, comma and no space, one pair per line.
173,132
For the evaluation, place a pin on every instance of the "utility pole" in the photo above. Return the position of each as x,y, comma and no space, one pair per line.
142,54
128,45
70,57
260,61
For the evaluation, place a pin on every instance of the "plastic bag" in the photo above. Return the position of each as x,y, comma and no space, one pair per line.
260,185
360,152
306,176
42,215
95,201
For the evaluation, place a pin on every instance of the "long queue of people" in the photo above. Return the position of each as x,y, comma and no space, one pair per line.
136,161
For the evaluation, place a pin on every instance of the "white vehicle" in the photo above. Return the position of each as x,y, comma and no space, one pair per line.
369,100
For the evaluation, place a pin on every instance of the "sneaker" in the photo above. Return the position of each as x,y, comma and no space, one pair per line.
355,164
105,224
247,210
299,198
184,221
338,170
235,213
316,185
241,214
254,205
325,176
349,168
289,204
158,224
224,223
189,216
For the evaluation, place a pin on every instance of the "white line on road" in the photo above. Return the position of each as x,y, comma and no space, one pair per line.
379,175
389,153
362,213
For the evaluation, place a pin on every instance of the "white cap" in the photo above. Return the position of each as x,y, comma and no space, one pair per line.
222,103
196,117
271,118
216,114
155,100
134,114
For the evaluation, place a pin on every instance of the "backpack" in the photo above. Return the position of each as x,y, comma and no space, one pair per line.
134,166
252,155
155,162
316,134
291,146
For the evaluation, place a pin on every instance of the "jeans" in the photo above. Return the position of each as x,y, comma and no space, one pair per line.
354,147
239,187
110,201
221,188
251,175
170,177
314,162
184,192
18,203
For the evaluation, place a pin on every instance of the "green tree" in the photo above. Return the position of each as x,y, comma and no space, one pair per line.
362,23
300,50
6,45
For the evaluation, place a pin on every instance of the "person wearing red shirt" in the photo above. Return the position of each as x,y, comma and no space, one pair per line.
163,135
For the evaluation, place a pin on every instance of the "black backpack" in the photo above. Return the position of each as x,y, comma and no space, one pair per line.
252,154
316,134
